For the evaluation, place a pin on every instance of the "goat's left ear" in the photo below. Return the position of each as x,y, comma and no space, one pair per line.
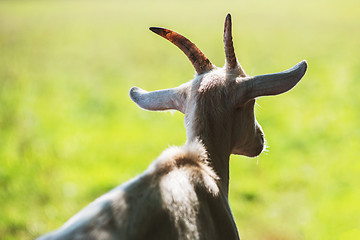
274,84
167,99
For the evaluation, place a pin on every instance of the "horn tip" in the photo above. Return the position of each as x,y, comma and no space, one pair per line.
160,31
155,29
228,22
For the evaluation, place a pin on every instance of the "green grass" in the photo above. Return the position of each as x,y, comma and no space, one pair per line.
69,132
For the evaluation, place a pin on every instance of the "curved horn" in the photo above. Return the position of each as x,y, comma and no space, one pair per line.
276,83
201,63
231,60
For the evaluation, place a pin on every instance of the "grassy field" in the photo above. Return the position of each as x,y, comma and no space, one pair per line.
69,132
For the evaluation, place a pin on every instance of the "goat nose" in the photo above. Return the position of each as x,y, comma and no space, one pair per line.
262,138
261,141
260,145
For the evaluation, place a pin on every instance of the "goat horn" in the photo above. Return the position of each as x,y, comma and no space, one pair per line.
231,61
201,63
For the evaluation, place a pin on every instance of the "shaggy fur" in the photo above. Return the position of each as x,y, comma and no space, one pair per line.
184,193
162,203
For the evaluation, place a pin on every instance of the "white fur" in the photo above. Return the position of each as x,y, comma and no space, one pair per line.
184,193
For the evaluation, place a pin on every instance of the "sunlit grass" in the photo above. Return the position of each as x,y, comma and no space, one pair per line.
69,132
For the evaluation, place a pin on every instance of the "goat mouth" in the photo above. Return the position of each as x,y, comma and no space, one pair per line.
260,147
256,151
259,150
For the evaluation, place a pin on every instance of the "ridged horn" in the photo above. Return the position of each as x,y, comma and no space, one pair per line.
201,63
231,60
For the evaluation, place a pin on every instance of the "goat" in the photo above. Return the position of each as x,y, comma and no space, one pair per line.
184,193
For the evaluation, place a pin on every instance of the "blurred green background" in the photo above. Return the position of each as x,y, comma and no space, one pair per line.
69,132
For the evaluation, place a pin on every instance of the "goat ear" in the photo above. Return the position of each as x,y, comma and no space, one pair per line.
276,83
173,98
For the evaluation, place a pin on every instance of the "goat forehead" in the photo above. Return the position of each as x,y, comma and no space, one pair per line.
215,79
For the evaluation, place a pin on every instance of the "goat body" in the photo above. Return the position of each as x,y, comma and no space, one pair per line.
177,197
184,193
